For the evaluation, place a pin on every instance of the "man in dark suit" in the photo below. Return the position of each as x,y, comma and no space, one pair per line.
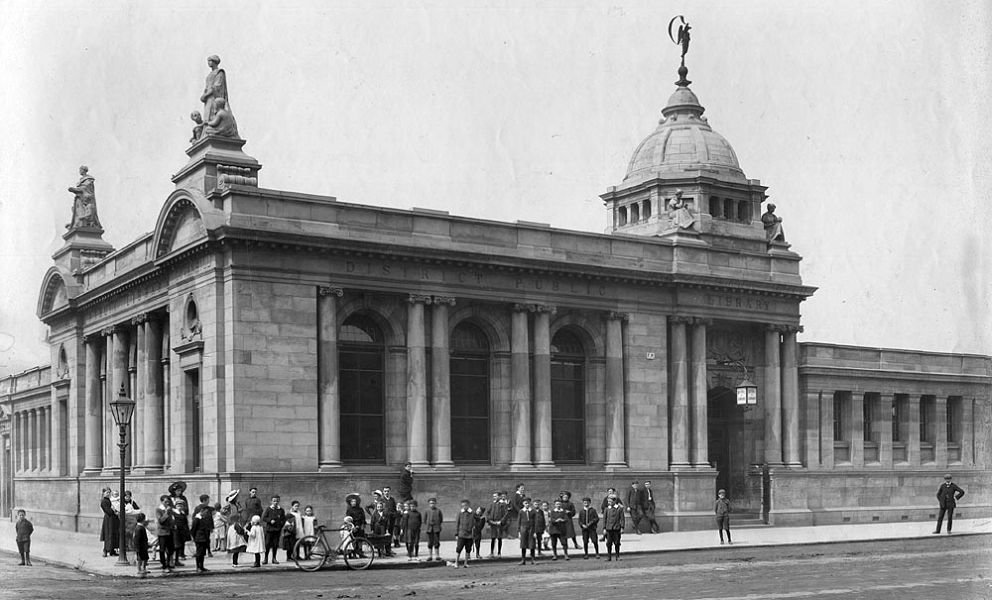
948,495
649,508
635,503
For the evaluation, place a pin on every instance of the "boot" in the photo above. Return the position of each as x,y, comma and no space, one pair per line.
22,563
27,558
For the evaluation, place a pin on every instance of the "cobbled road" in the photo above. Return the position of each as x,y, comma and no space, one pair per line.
941,567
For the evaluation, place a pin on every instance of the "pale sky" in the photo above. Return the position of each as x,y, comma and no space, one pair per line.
869,122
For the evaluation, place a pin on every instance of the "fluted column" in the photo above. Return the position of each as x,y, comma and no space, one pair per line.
330,394
15,441
138,431
121,378
33,440
616,455
107,429
680,393
45,436
700,444
542,385
441,381
416,387
790,397
773,397
153,423
520,405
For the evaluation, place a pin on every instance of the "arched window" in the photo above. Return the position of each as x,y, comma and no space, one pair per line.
728,209
744,212
568,398
361,384
622,218
716,208
647,209
469,394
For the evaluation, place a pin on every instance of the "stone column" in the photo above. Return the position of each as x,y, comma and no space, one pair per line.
790,398
699,388
153,422
883,425
33,439
680,393
441,381
940,437
616,455
93,434
108,432
15,441
520,388
329,407
967,432
856,403
913,424
138,431
121,378
542,385
813,430
46,438
773,398
166,395
416,387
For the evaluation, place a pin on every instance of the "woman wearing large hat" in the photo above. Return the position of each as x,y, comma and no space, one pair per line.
237,539
354,502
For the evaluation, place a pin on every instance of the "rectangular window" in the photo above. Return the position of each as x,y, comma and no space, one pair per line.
898,412
954,419
867,408
842,420
193,402
362,393
927,409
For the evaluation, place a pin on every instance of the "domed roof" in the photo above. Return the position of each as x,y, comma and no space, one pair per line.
683,141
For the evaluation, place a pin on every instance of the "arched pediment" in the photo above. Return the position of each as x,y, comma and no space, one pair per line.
54,293
183,221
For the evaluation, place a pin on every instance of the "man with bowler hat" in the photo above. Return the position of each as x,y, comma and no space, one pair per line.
948,495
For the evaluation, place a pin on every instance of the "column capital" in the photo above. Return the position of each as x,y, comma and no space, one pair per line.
792,328
679,319
330,290
520,307
109,330
448,300
418,299
617,316
774,328
543,308
139,319
702,321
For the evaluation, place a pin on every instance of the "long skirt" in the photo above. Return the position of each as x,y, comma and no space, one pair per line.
110,533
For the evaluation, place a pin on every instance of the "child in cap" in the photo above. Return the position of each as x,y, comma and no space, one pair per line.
433,519
722,508
141,544
463,535
412,521
23,530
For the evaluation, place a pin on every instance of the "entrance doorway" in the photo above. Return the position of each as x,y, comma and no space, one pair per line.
733,446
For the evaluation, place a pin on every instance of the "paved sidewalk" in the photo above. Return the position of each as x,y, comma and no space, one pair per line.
83,551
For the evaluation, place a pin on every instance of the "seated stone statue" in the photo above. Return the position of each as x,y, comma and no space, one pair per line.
222,124
679,213
773,225
198,128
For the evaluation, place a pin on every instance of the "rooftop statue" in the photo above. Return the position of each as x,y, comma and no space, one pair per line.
773,225
682,39
198,128
679,213
215,88
222,123
84,203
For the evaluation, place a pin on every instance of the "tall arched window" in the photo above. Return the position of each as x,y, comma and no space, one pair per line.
568,398
622,216
362,389
469,394
635,213
647,209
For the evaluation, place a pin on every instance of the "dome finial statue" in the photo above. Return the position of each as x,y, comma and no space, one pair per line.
681,40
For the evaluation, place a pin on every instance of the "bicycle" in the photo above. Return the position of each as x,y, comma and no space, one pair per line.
312,552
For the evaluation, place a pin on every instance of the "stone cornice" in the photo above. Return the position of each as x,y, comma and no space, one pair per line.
866,373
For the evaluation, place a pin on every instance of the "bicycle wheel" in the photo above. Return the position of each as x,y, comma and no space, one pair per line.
310,553
359,554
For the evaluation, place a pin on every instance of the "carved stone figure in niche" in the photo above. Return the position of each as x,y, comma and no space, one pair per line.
773,225
679,213
84,203
222,123
215,88
198,128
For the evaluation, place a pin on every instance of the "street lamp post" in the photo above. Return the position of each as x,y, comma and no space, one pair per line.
122,409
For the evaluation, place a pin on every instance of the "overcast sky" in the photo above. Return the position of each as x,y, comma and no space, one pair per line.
869,122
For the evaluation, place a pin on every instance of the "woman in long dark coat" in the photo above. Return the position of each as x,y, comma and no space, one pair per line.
569,506
110,533
182,534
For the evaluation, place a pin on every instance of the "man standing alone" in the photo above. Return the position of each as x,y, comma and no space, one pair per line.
948,495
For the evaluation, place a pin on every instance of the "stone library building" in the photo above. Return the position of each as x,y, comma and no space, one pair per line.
312,347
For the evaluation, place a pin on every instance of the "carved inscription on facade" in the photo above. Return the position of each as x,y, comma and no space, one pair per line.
738,301
474,278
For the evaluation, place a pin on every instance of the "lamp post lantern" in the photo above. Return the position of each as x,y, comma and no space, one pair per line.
122,410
